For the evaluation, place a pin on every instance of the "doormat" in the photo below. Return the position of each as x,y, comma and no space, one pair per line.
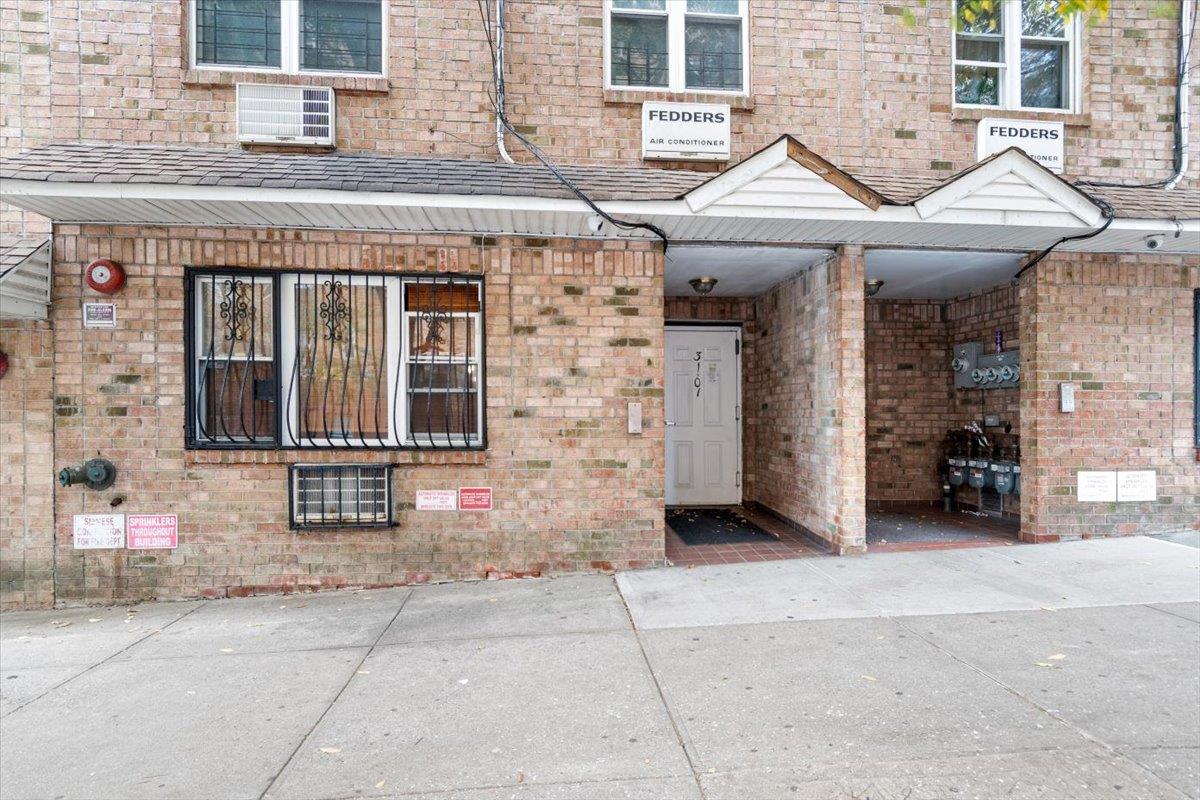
715,526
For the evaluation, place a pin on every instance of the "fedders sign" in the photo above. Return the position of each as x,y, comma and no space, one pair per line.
685,131
1041,141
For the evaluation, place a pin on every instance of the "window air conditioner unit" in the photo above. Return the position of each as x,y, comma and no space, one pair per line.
269,114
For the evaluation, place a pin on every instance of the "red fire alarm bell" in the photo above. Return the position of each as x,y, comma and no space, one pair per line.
105,276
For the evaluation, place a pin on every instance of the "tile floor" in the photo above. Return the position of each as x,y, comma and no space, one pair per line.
892,529
790,544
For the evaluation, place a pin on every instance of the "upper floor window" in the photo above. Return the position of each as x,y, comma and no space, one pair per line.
677,45
1015,54
340,36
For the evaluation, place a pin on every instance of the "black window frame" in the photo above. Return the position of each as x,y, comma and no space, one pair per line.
277,439
340,523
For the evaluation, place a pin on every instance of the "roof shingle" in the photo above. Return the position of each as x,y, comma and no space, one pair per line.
116,163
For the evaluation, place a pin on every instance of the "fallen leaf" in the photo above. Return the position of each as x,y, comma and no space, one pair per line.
1048,608
380,784
520,777
869,678
58,623
1042,664
331,750
1056,657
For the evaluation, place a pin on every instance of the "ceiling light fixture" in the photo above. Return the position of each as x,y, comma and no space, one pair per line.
872,287
703,285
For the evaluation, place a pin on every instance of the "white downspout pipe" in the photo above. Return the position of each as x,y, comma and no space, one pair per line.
499,68
1187,22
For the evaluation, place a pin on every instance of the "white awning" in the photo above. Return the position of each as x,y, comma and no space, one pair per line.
25,279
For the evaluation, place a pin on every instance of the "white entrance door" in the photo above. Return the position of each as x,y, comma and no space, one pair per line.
703,396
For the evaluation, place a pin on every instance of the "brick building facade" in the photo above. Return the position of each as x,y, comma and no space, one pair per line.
119,143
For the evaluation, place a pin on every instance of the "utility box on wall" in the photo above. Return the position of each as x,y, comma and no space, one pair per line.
974,369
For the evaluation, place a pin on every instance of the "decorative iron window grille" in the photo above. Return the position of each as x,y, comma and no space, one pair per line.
340,495
334,359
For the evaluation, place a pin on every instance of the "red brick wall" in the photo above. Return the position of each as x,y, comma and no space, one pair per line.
27,465
805,401
911,399
908,398
574,332
975,318
852,80
1120,329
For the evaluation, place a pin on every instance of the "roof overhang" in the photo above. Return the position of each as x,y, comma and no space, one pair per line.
25,281
784,194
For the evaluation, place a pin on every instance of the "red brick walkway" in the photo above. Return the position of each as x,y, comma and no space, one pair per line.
789,545
888,530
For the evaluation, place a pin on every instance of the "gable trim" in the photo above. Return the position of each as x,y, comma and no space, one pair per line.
783,149
1016,162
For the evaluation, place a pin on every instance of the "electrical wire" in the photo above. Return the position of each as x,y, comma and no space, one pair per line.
1109,215
497,82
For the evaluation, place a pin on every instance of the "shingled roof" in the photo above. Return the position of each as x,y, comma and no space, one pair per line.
116,163
179,165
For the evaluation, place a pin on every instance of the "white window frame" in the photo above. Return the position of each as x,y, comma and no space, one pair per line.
676,14
1010,67
289,46
440,440
198,354
397,357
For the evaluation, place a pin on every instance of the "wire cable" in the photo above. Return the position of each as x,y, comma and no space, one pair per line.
497,82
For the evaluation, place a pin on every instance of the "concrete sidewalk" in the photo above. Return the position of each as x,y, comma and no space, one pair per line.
1049,671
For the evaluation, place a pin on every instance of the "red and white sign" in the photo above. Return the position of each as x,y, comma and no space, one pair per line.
437,500
98,531
151,531
475,498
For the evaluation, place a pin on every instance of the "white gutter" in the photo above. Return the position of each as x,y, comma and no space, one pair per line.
1187,22
498,68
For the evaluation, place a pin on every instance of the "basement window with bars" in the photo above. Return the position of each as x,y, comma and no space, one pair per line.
334,360
340,495
289,36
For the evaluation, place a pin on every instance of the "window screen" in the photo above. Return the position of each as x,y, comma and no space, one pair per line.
241,33
341,35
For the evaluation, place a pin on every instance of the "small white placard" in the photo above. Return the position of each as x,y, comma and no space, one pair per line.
1041,141
1137,486
99,315
1096,487
685,131
98,531
437,500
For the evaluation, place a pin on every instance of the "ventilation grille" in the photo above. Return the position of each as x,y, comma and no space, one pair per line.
285,114
341,495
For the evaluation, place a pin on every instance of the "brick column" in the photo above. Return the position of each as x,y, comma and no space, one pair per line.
848,309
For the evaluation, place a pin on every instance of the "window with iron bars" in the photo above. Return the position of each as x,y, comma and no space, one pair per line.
289,36
340,495
334,360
